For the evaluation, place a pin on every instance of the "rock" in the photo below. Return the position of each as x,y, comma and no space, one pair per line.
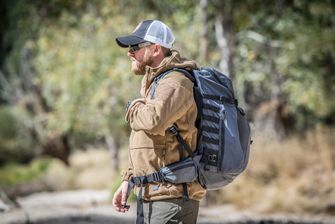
94,207
79,198
15,216
3,206
5,202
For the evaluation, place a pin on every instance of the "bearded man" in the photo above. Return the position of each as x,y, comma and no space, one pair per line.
151,144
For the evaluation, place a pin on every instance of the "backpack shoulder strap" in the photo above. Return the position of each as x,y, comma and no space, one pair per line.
155,82
187,73
182,143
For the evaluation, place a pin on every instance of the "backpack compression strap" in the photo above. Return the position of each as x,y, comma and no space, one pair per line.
139,181
182,144
182,147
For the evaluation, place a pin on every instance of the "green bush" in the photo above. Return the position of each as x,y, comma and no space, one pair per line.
14,173
15,142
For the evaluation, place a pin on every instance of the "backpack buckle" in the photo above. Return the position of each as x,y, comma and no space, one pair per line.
212,158
174,130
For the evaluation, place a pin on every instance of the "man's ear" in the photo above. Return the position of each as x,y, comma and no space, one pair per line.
157,50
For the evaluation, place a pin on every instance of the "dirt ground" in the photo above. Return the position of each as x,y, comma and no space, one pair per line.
92,206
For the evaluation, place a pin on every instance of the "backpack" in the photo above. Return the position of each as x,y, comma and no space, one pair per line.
223,141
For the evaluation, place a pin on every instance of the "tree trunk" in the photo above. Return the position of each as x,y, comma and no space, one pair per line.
224,37
273,117
113,149
57,146
204,31
30,96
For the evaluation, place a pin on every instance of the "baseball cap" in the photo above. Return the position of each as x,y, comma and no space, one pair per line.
153,31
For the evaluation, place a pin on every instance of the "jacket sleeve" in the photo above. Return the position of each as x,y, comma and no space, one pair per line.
173,97
127,174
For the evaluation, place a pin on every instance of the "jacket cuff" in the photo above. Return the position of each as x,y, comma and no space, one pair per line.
126,175
131,107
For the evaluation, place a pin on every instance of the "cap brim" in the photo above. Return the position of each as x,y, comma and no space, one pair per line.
127,41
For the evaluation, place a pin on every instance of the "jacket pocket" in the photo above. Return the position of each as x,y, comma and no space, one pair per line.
147,160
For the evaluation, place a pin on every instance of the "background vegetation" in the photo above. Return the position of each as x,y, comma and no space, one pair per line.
64,84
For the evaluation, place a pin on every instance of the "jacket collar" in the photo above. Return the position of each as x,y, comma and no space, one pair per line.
173,61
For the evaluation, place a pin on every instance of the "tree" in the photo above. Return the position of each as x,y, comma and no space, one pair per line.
66,76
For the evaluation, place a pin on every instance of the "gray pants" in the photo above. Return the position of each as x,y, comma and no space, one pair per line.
171,211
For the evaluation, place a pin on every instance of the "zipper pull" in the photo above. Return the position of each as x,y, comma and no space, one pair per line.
222,112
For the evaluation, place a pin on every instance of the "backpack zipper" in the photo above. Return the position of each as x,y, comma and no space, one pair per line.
164,157
221,140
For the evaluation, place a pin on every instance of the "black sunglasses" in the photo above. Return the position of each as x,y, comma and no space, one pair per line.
134,48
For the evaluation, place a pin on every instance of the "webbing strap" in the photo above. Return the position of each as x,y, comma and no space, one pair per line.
140,215
174,131
185,192
150,178
157,177
210,107
211,118
186,72
181,152
155,82
182,146
210,129
140,181
211,140
221,98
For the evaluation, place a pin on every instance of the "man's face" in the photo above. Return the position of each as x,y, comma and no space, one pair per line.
140,59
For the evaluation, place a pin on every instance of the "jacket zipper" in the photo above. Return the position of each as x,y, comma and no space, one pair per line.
164,157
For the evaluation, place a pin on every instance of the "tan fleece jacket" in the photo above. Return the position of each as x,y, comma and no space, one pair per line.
151,145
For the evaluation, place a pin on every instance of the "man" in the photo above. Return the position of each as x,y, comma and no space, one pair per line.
151,144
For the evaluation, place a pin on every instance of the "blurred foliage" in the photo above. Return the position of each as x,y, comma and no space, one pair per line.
13,174
291,43
80,75
61,71
16,144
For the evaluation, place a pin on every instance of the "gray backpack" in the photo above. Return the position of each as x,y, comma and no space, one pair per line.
223,133
223,142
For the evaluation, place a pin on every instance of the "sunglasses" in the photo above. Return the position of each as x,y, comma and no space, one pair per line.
134,48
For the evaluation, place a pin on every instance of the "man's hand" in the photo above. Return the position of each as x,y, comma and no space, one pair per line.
132,107
120,198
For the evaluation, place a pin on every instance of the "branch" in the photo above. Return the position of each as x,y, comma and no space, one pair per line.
259,38
5,87
3,79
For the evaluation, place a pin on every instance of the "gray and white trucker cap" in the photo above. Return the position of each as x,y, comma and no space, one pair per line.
153,31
